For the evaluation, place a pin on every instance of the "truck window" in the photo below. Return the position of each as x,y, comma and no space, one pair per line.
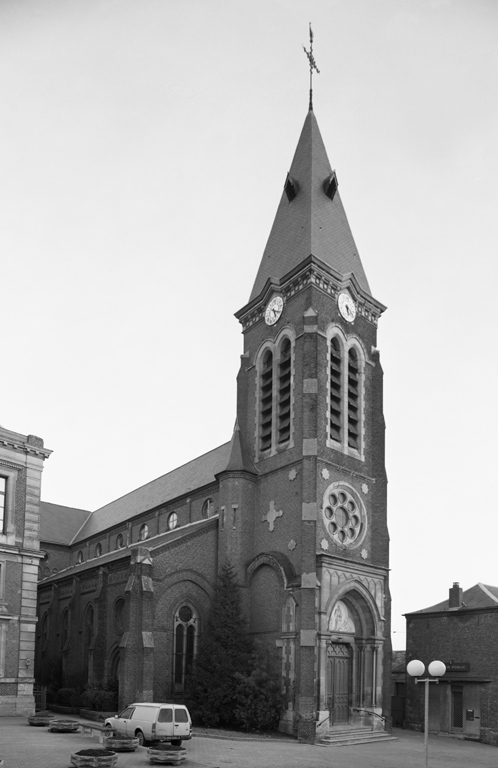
165,716
127,713
180,716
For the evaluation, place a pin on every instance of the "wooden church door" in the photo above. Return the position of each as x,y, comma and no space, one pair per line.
339,683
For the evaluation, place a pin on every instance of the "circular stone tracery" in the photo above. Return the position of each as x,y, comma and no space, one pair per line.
344,516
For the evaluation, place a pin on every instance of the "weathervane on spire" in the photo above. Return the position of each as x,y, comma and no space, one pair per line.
313,66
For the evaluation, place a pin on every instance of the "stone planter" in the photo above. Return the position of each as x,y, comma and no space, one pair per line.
94,758
64,726
40,719
119,743
166,753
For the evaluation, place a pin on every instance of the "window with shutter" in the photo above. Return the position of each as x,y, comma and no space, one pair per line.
335,391
284,392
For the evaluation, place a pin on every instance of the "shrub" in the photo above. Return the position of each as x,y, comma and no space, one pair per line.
100,696
67,697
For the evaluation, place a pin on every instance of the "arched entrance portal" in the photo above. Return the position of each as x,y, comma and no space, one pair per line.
353,659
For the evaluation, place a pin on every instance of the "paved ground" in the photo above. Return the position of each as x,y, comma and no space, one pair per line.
24,746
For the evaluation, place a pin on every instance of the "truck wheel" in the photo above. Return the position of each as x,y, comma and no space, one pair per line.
176,742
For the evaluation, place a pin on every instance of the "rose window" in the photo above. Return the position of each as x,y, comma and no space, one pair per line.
344,516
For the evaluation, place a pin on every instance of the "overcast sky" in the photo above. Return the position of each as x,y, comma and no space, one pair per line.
144,146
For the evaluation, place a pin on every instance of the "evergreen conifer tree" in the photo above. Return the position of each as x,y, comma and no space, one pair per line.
224,656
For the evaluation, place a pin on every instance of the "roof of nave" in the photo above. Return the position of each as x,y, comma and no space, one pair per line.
313,222
180,481
478,596
59,524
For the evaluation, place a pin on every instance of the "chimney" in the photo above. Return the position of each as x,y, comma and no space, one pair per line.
456,593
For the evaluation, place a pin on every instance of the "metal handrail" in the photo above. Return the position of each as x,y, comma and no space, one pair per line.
369,712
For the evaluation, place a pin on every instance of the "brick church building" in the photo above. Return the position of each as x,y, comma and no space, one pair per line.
296,500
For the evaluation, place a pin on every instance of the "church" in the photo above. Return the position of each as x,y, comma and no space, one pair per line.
296,500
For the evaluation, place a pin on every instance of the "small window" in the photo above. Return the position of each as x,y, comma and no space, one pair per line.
80,557
143,532
119,541
180,716
46,571
165,716
126,713
172,521
208,508
98,550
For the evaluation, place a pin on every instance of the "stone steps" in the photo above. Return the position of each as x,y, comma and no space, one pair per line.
345,737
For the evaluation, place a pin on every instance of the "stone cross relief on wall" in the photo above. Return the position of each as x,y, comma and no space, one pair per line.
271,516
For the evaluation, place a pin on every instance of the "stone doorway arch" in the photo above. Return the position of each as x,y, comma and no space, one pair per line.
351,658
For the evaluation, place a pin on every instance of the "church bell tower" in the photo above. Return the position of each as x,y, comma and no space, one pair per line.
314,549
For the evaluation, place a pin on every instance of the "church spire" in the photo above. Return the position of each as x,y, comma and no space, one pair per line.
310,219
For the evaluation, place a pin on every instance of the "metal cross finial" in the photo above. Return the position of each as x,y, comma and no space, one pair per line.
313,66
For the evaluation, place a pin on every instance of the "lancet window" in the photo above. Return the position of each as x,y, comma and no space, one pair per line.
346,374
185,640
275,401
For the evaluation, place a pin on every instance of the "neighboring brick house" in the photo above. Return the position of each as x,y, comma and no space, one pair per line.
398,677
21,465
463,633
296,500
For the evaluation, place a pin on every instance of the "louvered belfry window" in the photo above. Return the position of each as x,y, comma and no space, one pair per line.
266,402
275,396
353,399
345,396
284,393
335,391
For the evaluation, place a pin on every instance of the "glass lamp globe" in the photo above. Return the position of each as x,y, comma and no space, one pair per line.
415,668
436,668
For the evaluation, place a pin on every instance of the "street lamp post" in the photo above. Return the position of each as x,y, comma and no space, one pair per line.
416,669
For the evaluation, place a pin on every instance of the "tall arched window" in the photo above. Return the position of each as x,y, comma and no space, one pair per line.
64,629
284,392
353,399
185,641
88,631
345,395
266,423
275,396
335,391
44,631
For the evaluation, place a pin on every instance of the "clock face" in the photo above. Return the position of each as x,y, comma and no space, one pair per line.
274,310
347,307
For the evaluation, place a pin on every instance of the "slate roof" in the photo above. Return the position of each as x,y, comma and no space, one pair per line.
478,596
59,524
311,223
182,480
